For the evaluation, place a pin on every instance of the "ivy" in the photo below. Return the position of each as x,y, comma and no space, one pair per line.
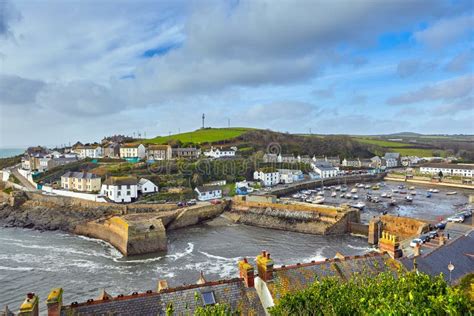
408,293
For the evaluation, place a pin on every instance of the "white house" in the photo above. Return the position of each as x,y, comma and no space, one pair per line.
289,175
137,151
146,186
220,152
120,189
89,151
206,193
461,170
355,163
325,170
267,176
391,162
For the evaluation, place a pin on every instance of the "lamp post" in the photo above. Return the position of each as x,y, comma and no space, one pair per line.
450,268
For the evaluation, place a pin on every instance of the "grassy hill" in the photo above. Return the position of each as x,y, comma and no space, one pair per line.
404,148
206,135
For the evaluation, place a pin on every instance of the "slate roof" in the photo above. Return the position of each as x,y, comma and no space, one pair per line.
448,166
459,252
324,166
121,181
158,147
288,279
208,188
80,175
392,155
232,292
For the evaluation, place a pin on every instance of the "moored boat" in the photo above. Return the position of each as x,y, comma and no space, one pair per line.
358,205
408,198
451,193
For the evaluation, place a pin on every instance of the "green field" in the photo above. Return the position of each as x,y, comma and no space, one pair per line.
201,136
419,152
382,143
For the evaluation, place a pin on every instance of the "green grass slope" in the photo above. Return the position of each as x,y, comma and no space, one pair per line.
207,135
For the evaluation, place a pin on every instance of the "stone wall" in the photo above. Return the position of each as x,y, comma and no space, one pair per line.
358,229
403,227
130,238
311,219
197,214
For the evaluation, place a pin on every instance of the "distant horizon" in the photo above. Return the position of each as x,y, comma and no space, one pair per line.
395,134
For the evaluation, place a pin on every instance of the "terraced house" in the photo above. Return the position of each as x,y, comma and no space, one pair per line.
132,151
120,189
80,181
159,152
89,151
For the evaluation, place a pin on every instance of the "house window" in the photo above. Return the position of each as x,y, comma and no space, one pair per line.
208,298
128,192
119,193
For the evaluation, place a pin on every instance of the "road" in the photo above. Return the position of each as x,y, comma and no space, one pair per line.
24,182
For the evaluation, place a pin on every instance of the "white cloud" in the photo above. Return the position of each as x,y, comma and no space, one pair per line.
458,87
446,31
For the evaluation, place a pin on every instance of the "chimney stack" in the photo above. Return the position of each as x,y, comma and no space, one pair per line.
29,306
162,285
265,266
246,272
55,302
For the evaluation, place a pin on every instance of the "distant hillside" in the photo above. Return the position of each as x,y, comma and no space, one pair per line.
206,135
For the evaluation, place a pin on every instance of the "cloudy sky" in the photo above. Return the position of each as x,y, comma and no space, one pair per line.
79,70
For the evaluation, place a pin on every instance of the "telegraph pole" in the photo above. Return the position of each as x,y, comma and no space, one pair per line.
203,117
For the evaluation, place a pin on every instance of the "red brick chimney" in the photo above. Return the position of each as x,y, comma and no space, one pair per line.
246,272
55,302
265,266
29,306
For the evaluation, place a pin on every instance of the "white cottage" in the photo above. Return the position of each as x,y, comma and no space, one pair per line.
120,189
267,176
146,186
206,193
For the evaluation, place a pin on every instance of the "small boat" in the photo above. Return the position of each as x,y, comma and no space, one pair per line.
375,200
403,192
408,198
413,192
393,202
451,193
338,188
434,191
428,194
343,189
367,186
320,193
342,196
394,190
384,195
355,197
376,187
354,190
411,188
389,195
401,186
348,196
358,205
333,194
360,185
318,200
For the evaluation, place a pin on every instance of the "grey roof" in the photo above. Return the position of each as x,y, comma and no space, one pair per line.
80,175
184,299
449,166
459,252
300,276
324,166
185,149
121,181
208,188
392,155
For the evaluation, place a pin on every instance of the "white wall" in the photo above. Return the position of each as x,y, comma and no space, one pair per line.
264,294
84,196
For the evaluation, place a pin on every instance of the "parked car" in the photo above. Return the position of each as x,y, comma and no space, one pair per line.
456,219
425,238
432,234
192,202
441,225
181,204
466,213
416,241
